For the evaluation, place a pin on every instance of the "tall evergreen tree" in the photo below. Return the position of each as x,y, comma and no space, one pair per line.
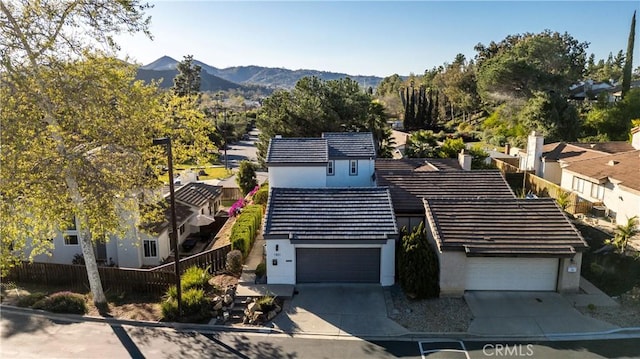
187,81
628,65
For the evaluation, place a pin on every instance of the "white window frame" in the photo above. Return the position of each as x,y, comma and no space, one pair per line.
150,246
353,167
67,242
597,191
578,184
331,168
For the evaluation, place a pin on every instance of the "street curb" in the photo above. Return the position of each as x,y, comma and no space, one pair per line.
633,332
138,323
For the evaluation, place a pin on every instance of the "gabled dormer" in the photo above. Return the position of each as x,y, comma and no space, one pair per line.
338,159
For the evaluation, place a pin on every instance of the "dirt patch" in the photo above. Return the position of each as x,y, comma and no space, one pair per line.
223,281
624,316
122,306
430,315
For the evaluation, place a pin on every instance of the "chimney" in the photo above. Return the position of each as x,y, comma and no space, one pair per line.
464,158
635,137
533,160
507,148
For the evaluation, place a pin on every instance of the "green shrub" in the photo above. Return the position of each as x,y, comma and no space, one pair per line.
266,303
63,302
418,266
169,309
194,277
195,306
29,300
234,262
261,269
246,228
261,196
172,293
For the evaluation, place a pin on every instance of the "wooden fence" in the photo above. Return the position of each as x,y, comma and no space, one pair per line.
116,280
231,193
504,166
544,188
540,187
213,260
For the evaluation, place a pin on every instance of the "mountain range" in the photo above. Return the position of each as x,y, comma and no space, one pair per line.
242,77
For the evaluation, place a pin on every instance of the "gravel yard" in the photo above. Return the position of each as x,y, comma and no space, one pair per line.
429,315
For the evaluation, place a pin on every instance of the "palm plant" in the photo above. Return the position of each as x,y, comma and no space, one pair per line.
623,234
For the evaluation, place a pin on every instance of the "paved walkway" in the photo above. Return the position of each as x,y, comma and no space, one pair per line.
247,286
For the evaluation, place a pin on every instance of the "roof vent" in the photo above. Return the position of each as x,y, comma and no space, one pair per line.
593,145
613,162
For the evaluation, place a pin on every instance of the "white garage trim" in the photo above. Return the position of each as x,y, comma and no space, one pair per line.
497,273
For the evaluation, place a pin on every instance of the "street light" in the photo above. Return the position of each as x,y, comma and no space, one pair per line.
166,141
226,162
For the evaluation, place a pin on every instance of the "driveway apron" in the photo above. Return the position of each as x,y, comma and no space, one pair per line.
338,309
527,314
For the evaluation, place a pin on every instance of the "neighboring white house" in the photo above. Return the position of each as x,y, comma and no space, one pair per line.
611,183
546,161
335,160
196,206
607,174
316,235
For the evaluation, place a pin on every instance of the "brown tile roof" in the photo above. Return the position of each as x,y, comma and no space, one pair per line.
389,165
621,167
409,188
505,227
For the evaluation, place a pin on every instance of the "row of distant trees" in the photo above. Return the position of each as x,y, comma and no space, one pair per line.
516,85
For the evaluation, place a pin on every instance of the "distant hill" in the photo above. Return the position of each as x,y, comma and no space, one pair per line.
164,69
252,75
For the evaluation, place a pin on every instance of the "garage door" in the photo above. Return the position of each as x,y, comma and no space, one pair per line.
512,274
346,265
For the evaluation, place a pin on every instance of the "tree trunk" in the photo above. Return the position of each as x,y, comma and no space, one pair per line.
86,244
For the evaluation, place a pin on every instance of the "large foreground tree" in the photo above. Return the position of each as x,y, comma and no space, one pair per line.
75,127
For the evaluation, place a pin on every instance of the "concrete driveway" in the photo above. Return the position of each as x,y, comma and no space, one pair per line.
527,314
338,309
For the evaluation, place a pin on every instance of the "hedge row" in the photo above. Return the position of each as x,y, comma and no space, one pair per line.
246,228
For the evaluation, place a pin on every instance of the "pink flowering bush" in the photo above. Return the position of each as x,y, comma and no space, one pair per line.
254,190
236,207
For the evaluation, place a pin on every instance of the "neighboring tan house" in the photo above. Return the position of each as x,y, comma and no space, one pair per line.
336,160
611,182
316,235
410,187
148,245
503,244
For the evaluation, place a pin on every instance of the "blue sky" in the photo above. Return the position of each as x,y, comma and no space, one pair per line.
367,37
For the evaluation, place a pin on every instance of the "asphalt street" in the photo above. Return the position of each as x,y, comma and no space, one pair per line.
38,336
